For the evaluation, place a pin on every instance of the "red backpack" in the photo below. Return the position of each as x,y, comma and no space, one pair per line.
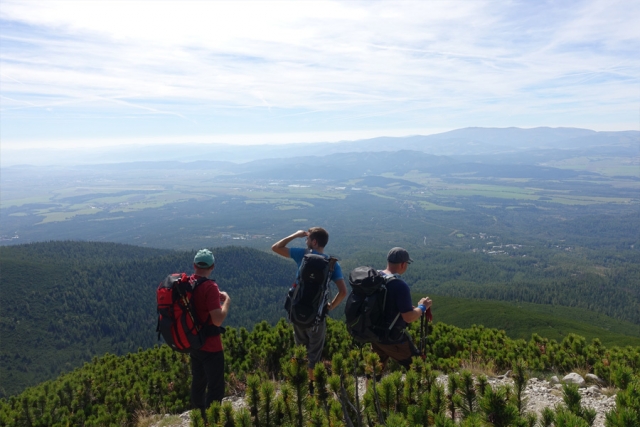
178,323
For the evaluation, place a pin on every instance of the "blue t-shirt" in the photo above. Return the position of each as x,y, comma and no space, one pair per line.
298,253
398,301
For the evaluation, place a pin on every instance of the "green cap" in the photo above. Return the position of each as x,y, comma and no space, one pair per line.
204,258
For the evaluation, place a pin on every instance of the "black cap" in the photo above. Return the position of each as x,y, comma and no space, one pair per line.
398,256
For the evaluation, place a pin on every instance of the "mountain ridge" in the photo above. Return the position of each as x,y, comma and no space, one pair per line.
465,141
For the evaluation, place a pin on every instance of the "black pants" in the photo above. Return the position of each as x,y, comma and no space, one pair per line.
207,373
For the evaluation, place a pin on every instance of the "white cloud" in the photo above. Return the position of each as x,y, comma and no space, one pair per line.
288,66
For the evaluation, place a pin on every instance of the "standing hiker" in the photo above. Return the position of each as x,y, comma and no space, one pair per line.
399,346
211,307
312,337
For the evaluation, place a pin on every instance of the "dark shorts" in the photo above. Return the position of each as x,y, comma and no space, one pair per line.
312,340
401,352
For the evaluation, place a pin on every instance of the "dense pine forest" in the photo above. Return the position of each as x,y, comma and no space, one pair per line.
537,278
64,303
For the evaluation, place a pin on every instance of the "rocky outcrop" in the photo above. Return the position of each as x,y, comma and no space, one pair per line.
539,394
574,378
542,393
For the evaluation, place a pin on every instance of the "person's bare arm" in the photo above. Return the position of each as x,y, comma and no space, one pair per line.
342,294
280,247
218,315
416,313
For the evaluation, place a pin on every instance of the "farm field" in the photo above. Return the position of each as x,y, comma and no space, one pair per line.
64,195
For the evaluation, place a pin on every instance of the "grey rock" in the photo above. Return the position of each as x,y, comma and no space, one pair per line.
554,380
593,379
594,390
574,378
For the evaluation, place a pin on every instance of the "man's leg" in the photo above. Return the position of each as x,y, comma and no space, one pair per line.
401,352
198,381
380,350
300,336
214,372
315,345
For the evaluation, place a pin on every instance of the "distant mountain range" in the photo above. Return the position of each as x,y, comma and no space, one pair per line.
508,143
340,167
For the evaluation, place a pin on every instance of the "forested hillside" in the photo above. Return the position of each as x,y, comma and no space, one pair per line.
65,302
604,281
537,277
521,320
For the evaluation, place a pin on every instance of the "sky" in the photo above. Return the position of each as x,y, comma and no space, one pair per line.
105,73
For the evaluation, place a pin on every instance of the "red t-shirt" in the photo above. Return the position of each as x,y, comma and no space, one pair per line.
206,297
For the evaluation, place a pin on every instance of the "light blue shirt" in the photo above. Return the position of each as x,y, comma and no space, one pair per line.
298,253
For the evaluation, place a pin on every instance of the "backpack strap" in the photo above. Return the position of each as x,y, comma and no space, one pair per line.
388,278
332,266
321,309
199,281
209,329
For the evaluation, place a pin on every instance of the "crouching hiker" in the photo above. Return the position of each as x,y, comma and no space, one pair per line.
211,308
400,309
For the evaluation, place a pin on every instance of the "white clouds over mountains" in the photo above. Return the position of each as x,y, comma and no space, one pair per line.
127,69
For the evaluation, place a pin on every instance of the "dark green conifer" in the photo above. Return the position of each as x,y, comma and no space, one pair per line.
520,378
468,394
321,394
253,398
482,384
227,418
566,418
547,417
267,396
453,383
396,419
243,417
497,408
438,399
296,372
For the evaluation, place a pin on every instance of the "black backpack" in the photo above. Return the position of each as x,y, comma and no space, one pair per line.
365,307
307,299
178,323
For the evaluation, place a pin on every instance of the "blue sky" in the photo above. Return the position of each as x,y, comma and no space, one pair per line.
101,73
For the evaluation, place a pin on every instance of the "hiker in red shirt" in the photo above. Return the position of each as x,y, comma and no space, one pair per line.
207,363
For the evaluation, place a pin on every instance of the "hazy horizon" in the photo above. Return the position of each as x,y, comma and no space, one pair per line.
100,73
240,153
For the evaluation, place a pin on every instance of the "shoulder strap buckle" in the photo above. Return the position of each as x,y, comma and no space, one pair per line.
199,281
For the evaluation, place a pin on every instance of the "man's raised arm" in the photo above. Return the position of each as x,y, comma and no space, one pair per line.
280,247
